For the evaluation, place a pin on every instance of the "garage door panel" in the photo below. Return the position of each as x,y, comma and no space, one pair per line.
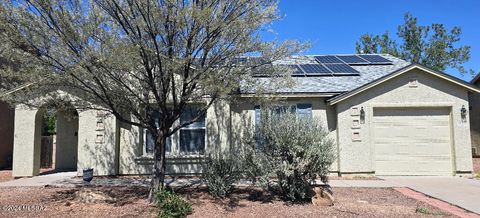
412,141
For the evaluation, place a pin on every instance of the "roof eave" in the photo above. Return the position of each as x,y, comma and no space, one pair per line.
475,79
291,94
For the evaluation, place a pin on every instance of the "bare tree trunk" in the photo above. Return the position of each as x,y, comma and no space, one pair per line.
158,176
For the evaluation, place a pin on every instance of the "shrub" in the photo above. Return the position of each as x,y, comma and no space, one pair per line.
170,204
420,209
290,153
220,172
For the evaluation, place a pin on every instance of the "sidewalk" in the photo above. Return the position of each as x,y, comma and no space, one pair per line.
69,179
39,180
363,184
462,192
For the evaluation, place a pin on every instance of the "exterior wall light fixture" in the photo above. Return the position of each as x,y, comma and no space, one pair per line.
362,115
463,113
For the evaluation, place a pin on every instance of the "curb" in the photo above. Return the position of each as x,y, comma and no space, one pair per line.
447,207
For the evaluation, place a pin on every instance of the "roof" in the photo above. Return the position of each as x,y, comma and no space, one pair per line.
475,79
387,77
336,84
345,86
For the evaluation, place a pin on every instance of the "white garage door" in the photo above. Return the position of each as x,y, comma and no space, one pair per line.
412,141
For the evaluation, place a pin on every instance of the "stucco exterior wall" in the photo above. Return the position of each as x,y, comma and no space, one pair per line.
97,142
132,159
474,113
358,156
26,150
7,116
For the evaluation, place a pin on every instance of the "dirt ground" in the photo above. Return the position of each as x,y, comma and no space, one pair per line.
5,175
62,202
350,202
130,202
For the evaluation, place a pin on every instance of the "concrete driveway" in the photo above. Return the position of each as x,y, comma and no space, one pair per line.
462,192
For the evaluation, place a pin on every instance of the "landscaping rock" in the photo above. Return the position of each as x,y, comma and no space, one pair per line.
92,196
322,197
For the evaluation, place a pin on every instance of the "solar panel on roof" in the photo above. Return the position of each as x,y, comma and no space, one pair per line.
342,69
352,59
328,59
314,69
240,60
376,59
296,71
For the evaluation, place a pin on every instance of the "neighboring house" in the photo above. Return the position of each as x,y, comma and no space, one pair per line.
474,99
6,135
387,117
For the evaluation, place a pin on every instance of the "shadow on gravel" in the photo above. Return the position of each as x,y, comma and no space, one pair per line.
118,196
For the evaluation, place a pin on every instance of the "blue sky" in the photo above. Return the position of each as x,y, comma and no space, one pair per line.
334,26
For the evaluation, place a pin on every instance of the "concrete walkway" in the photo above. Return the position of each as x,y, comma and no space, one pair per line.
362,184
42,180
462,192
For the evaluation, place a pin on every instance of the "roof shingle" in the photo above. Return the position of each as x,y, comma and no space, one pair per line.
336,84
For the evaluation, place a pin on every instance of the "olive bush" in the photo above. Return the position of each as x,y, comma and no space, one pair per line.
289,153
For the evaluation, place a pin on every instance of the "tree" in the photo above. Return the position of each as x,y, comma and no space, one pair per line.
433,46
137,58
370,44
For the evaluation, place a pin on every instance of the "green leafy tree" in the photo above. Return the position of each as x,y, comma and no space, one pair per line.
433,46
49,123
370,44
134,58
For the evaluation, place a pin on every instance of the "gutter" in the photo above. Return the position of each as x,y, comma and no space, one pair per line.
291,94
11,91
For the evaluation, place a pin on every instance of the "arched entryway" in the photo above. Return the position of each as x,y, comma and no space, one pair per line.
59,139
29,131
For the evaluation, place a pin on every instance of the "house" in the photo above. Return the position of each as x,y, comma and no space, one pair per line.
474,100
387,117
6,135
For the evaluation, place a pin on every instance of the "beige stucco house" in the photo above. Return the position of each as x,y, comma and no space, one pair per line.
6,135
387,117
474,99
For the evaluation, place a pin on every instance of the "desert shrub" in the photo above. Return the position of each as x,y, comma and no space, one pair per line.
420,209
220,172
289,153
170,204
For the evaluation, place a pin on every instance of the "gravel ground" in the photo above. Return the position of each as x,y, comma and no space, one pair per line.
61,202
5,175
351,202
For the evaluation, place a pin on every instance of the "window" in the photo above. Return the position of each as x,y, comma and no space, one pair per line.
303,110
149,143
192,137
